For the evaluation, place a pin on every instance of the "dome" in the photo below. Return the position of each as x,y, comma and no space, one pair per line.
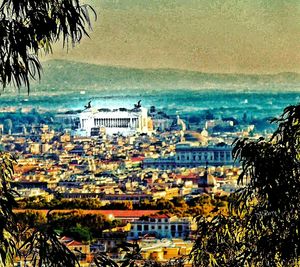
192,136
207,180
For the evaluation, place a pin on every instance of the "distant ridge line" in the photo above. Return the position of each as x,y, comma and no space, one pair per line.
71,76
63,61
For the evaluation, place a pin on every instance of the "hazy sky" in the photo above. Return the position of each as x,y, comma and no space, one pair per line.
250,36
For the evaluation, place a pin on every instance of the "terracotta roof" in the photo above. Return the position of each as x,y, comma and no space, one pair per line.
73,243
129,195
137,159
115,213
189,176
66,239
128,213
159,216
24,169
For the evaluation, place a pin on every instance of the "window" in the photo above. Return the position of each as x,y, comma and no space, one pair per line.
153,227
146,227
167,227
139,227
159,227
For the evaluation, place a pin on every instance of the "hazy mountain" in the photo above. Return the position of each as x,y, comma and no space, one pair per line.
66,75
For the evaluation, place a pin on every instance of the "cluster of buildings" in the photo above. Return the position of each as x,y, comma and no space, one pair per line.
160,237
126,155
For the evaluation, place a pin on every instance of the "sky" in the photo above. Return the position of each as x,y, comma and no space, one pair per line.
223,36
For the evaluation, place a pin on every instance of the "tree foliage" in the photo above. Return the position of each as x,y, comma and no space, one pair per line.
42,247
28,27
262,228
8,223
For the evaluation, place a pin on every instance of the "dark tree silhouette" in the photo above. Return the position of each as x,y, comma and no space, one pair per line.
263,226
8,223
29,27
38,245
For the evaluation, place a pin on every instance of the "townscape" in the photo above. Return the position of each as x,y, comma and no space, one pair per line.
144,175
149,133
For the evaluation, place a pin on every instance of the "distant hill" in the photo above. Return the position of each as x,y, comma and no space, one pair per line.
60,75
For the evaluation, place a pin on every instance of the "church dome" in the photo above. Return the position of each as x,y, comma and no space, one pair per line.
192,136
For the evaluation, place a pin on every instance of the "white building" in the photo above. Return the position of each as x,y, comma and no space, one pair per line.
117,121
162,226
